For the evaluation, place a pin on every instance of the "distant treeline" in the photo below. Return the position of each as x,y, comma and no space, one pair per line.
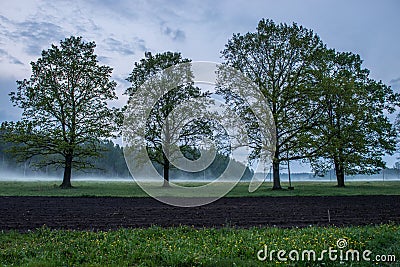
112,164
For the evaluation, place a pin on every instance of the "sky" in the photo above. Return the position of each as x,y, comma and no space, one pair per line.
124,29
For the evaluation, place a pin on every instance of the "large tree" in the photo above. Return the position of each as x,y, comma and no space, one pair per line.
163,129
64,106
357,132
281,60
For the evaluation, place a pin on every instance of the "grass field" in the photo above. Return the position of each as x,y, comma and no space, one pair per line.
131,189
185,246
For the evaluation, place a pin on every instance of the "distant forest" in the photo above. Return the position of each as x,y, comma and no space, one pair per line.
111,164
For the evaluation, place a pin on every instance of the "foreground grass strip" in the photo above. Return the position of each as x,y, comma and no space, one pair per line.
186,246
131,189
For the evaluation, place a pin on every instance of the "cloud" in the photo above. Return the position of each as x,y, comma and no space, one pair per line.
114,45
5,56
7,111
3,19
37,34
32,34
140,43
174,34
75,18
395,83
103,59
126,48
121,79
116,8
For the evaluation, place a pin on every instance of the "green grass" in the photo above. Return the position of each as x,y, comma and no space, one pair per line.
186,246
131,189
120,189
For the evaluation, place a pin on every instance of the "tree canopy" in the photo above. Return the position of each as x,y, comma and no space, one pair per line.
326,108
170,91
280,59
65,110
357,132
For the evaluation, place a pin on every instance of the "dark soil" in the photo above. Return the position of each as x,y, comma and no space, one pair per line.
104,213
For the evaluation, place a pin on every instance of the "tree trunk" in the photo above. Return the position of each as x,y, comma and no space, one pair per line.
275,171
339,172
67,172
166,170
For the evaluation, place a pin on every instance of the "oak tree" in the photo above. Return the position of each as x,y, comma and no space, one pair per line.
357,132
65,108
281,59
162,128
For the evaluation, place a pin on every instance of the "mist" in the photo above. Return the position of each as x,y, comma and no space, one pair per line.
9,175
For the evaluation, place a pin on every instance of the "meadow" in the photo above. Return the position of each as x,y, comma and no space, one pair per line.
190,246
186,246
131,189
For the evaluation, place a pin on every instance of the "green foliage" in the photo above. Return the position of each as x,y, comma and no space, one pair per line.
151,65
109,162
357,132
280,59
188,246
326,107
142,71
169,89
64,107
6,159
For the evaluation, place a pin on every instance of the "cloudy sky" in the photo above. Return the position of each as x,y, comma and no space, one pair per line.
123,30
